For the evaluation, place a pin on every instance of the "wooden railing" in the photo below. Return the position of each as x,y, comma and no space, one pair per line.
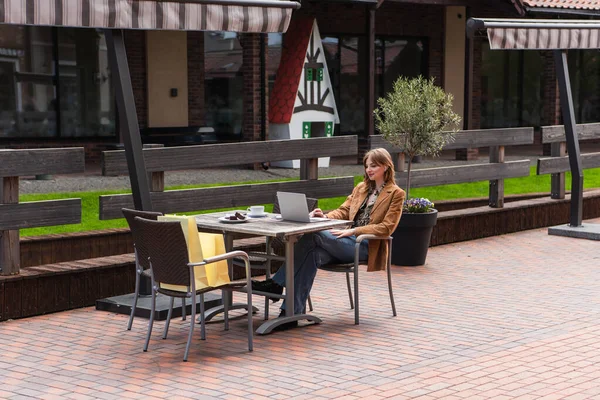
159,160
558,164
15,215
496,171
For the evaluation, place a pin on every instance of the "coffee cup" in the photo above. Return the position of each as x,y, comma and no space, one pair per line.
256,211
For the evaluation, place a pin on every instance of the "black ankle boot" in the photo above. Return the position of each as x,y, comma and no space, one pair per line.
268,286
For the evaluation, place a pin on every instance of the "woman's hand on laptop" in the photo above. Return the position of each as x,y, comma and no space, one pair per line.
317,212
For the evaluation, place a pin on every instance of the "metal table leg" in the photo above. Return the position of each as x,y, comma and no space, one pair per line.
269,325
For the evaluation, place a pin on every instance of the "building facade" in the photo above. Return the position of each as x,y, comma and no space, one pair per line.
56,87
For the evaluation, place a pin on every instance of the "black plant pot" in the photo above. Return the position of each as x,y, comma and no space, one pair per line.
412,237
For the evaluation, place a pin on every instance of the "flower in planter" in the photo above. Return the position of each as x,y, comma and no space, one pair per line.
418,205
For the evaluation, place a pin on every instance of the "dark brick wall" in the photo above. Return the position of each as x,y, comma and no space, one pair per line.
195,45
252,86
135,43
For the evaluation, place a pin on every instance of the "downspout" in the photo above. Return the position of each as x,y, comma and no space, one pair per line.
263,89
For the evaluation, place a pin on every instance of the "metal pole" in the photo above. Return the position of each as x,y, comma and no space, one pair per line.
370,73
566,104
130,130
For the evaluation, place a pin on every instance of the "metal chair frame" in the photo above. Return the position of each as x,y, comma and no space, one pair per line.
352,268
150,227
141,268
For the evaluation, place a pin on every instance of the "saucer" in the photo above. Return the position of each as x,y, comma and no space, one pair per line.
256,216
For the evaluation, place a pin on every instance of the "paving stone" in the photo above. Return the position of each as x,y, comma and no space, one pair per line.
513,316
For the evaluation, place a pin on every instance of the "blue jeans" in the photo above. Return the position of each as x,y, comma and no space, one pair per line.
312,251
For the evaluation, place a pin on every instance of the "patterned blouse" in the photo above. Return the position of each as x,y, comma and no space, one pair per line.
363,215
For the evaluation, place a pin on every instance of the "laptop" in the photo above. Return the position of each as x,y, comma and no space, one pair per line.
293,207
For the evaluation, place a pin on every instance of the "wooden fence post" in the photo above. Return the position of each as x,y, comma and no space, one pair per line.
400,162
557,188
10,252
156,178
309,169
497,185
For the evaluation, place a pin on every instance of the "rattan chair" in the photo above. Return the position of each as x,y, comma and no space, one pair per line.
169,265
275,248
142,268
352,268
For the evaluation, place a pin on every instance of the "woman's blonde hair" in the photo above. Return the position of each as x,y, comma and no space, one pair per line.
382,158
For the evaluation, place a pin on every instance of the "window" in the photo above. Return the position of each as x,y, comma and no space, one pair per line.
86,93
346,70
511,88
584,71
394,57
41,97
224,82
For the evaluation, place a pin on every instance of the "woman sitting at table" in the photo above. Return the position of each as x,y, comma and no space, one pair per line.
374,207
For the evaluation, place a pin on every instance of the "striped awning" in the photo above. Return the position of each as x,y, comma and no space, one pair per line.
204,15
538,34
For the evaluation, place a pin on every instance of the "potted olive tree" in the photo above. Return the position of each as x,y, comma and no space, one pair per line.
417,117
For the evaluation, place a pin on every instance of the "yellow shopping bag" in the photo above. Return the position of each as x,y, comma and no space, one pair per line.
213,245
195,254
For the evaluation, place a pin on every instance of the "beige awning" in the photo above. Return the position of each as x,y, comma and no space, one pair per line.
539,34
217,15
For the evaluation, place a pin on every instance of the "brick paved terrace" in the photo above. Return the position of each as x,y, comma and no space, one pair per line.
514,316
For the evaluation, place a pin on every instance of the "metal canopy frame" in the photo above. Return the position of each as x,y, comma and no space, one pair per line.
130,131
475,25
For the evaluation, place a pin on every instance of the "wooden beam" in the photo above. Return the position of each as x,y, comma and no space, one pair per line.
555,165
40,213
556,133
227,196
473,138
491,137
42,161
464,174
220,155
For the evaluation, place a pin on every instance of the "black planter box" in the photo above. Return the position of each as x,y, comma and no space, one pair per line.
412,237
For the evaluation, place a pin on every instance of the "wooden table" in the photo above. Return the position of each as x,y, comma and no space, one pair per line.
289,232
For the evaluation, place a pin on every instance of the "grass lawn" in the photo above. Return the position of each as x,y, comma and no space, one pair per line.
90,207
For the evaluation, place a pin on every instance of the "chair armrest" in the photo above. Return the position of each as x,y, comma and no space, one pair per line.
370,236
225,256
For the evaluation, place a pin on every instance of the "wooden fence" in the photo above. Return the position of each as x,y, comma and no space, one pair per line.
558,163
495,171
159,160
15,215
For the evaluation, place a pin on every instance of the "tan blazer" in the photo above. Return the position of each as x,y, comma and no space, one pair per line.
384,218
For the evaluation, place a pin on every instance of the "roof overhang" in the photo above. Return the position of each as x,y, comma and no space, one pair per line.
540,34
185,15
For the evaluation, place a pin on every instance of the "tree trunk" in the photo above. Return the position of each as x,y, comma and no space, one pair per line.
410,157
